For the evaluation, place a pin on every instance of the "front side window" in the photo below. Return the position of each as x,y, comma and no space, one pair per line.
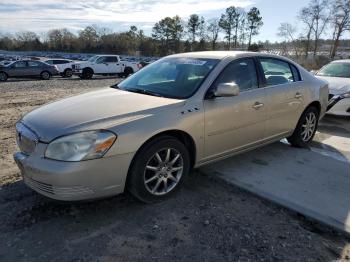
336,69
20,64
50,62
277,72
101,60
241,72
170,77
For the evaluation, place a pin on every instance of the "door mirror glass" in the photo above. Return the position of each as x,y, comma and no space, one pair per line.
226,89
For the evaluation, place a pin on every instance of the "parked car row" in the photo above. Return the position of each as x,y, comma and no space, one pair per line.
96,65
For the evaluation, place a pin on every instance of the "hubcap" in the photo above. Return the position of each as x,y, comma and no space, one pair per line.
309,126
163,171
45,75
2,77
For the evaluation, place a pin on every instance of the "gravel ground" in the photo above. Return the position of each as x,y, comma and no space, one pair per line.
206,221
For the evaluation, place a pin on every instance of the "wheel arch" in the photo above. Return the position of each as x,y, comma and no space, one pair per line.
315,104
88,68
180,135
4,73
128,68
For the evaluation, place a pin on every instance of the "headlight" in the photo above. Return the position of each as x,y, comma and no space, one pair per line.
346,95
80,146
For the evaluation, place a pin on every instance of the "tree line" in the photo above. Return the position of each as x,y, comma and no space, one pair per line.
328,19
170,35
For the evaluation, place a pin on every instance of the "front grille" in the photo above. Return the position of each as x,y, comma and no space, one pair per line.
73,66
26,139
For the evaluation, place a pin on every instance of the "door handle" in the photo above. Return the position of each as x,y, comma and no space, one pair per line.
298,95
258,105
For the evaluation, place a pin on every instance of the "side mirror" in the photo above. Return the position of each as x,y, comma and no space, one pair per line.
226,89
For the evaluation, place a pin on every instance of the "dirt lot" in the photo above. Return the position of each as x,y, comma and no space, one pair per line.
206,221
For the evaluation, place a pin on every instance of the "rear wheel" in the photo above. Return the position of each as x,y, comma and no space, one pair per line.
158,169
3,76
45,75
68,73
306,128
128,71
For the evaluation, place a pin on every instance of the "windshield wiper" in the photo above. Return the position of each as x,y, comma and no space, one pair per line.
144,92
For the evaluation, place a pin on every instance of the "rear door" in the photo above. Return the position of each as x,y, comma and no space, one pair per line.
113,64
35,68
238,122
284,96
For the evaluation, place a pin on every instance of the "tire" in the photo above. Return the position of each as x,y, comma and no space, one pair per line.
87,73
68,73
128,71
305,129
45,75
153,178
3,76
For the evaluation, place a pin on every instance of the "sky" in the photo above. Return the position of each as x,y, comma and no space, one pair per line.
42,15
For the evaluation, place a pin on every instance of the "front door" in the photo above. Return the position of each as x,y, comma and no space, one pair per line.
20,69
238,122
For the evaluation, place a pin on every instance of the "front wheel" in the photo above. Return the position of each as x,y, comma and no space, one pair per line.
45,75
68,73
3,76
306,128
158,169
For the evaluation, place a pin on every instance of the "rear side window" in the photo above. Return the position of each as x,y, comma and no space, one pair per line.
242,72
277,72
111,59
33,64
296,73
60,62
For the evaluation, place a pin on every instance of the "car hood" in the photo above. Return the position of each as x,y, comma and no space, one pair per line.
101,109
337,85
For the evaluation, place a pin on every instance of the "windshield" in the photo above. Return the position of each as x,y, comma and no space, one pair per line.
170,77
93,58
335,70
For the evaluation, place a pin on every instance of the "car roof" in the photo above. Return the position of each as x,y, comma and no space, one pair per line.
223,54
341,61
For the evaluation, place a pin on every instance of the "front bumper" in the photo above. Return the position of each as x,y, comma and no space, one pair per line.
77,71
71,181
339,106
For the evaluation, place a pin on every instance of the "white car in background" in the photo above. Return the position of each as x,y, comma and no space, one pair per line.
105,65
64,66
337,74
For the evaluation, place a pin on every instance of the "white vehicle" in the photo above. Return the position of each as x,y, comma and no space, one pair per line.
64,66
105,65
337,74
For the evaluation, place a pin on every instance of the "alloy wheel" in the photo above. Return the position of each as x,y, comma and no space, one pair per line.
309,126
2,77
45,75
163,171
